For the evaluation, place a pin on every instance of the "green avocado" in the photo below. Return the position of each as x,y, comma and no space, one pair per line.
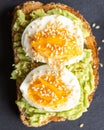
82,69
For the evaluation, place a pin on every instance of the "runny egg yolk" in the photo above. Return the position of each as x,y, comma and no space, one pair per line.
56,43
46,90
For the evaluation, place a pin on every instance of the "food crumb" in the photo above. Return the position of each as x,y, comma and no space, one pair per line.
81,125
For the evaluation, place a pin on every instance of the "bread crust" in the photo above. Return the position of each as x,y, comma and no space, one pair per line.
90,43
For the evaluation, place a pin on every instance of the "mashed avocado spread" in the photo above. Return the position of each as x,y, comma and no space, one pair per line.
82,69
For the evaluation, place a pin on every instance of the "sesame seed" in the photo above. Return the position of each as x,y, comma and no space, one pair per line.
93,25
101,65
53,94
99,48
94,66
81,125
103,40
62,97
39,47
26,54
45,78
33,1
61,53
35,89
47,45
59,48
56,52
50,82
43,85
52,48
41,92
97,27
51,55
66,51
48,90
40,100
59,87
42,33
55,85
55,98
13,64
37,60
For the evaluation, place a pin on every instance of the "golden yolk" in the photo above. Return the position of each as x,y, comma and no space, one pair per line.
56,45
48,91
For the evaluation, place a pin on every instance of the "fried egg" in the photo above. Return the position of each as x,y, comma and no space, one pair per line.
53,38
44,90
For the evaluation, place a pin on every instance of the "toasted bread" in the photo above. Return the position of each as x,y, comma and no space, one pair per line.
89,43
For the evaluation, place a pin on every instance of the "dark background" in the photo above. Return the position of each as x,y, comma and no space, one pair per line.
93,11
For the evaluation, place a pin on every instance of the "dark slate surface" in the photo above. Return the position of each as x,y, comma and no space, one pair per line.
93,11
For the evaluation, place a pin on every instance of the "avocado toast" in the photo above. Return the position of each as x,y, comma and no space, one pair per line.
86,68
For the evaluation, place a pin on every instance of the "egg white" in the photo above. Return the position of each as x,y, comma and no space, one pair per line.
66,76
40,24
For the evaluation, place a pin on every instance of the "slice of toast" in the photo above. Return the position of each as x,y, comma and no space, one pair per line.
90,43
